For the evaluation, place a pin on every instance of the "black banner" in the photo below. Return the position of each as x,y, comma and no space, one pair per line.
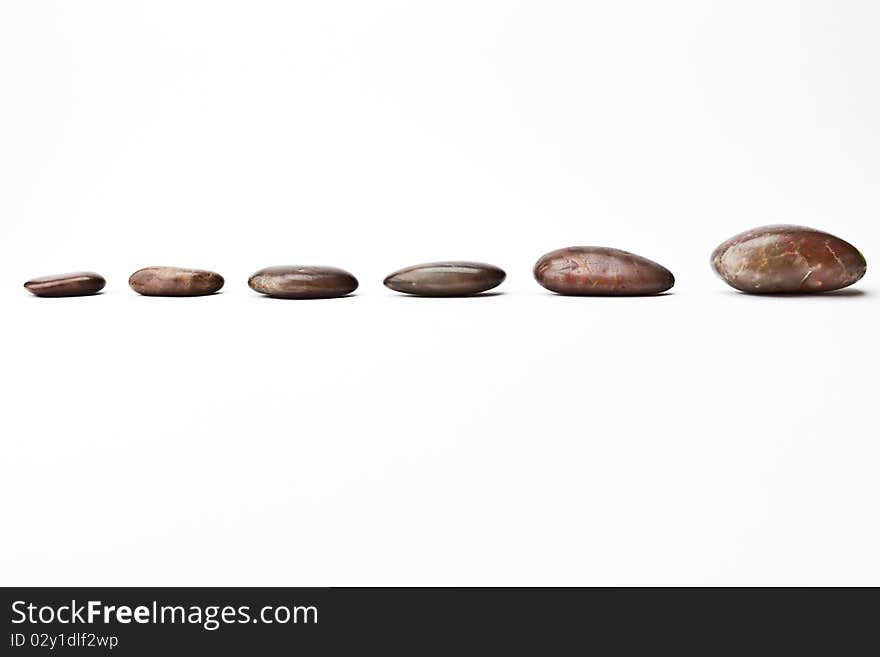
171,621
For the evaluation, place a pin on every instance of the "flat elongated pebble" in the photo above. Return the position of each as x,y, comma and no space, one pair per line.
446,279
788,259
75,284
175,282
600,271
303,282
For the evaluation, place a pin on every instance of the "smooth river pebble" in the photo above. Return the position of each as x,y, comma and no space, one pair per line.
446,279
600,271
787,259
303,282
175,282
76,284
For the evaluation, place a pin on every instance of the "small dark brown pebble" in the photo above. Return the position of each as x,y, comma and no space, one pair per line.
76,284
175,282
303,282
788,259
600,271
446,279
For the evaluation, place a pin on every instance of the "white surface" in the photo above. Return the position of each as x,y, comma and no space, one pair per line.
704,437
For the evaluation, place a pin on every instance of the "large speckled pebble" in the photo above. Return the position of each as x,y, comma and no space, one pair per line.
600,271
175,282
76,284
303,282
446,279
787,259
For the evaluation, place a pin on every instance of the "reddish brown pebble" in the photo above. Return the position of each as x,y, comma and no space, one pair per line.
76,284
175,282
303,282
446,279
788,259
600,271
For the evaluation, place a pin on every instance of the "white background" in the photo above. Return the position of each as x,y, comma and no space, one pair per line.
703,437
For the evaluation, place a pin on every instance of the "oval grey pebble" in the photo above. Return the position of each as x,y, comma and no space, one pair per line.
446,279
74,284
303,282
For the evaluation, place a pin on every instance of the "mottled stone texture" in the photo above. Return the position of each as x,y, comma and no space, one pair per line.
175,282
600,271
446,279
787,259
76,284
303,282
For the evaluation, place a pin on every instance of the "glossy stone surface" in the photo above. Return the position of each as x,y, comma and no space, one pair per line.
303,282
175,282
446,279
787,259
600,271
75,284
